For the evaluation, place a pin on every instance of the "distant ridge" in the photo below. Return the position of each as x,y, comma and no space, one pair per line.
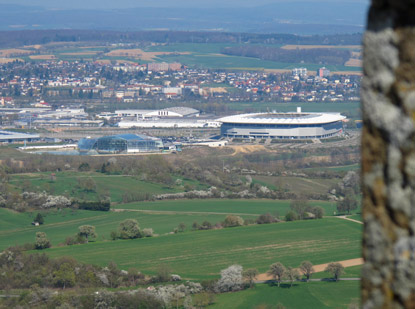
302,17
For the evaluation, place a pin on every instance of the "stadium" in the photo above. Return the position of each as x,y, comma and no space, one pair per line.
120,144
276,125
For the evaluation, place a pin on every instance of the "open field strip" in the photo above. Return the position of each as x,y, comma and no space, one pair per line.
224,206
311,295
164,212
202,254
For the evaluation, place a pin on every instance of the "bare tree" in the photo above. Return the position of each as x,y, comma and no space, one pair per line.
292,274
250,274
336,269
306,267
277,271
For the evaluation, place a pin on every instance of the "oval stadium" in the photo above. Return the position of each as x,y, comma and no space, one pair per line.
299,125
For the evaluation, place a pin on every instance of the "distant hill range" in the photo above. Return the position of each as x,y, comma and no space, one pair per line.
305,17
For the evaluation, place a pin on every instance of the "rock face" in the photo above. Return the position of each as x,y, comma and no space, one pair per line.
388,156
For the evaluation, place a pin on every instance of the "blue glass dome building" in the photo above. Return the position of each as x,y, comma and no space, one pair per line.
120,144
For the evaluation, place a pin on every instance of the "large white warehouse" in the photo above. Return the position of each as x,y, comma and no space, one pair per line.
274,125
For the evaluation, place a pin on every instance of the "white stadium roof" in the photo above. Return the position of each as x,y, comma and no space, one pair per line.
283,118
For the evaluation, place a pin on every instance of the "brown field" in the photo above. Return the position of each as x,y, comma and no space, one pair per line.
139,53
42,57
358,73
13,52
248,149
354,63
320,46
37,46
277,71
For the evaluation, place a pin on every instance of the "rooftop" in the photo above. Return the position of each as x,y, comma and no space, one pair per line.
284,118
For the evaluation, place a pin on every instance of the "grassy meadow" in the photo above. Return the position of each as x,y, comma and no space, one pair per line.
161,216
202,254
311,295
115,186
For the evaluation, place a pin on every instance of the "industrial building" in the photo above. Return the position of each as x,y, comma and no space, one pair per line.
170,112
120,144
275,125
16,137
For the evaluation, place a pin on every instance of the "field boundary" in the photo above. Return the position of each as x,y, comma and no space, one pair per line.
317,268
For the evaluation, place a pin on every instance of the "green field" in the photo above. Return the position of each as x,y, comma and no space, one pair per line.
66,183
349,272
161,216
202,254
241,207
343,168
297,185
209,56
16,228
303,295
220,61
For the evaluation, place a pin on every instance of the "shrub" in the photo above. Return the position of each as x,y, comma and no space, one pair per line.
265,218
291,216
231,221
114,235
129,229
148,232
318,212
206,225
103,205
41,241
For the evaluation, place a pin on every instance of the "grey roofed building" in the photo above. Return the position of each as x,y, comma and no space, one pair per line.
297,125
12,137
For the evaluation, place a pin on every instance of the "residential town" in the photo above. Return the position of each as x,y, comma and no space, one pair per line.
48,83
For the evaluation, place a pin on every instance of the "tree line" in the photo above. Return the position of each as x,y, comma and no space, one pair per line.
30,37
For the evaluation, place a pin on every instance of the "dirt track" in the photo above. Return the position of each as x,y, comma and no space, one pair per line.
318,268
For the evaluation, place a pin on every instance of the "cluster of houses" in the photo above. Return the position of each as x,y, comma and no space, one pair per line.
130,82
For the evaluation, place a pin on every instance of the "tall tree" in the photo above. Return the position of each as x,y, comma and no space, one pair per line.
300,207
277,271
306,267
250,275
336,269
348,203
292,274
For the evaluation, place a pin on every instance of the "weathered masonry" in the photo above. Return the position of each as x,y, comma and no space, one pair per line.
388,156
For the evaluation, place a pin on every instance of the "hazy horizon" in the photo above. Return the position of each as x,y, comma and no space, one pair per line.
110,4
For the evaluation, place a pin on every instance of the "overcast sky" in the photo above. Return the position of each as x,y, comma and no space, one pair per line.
111,4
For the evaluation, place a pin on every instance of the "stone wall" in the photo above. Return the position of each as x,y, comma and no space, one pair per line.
388,156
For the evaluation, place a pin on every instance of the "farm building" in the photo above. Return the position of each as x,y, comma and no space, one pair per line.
120,144
297,125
